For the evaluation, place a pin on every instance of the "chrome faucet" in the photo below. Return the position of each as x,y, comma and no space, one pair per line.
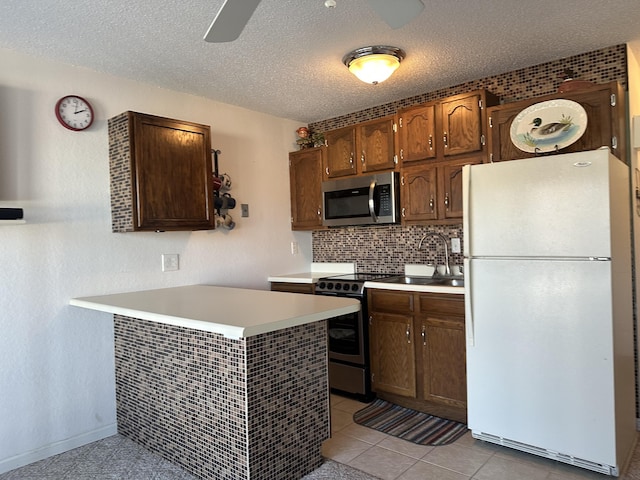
447,267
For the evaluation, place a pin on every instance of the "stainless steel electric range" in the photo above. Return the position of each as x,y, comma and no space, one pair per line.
349,363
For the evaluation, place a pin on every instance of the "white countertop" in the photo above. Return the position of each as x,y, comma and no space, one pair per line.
232,312
318,270
415,288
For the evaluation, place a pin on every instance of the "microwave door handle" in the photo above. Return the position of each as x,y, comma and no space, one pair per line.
372,211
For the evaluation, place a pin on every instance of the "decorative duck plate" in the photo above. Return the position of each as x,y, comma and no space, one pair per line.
548,126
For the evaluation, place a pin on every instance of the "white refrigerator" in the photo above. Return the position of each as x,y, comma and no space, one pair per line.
549,323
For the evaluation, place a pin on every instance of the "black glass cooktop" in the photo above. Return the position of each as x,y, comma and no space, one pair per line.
358,277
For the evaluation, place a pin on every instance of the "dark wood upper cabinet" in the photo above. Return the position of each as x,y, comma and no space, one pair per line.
417,133
305,177
161,174
362,148
341,152
445,129
419,193
375,141
605,107
462,125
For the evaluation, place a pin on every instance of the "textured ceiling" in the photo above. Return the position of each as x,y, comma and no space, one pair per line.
287,61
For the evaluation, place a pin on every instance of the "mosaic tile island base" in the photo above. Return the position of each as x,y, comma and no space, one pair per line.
246,409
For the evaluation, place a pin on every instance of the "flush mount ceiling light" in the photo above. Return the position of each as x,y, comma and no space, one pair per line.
374,64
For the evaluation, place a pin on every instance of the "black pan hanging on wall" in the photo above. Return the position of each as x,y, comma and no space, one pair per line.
234,15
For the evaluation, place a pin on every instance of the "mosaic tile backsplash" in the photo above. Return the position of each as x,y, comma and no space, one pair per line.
384,249
120,173
387,249
223,409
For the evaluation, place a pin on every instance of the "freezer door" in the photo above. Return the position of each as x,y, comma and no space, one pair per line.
556,206
540,355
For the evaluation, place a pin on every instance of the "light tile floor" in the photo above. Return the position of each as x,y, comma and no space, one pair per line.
378,455
389,458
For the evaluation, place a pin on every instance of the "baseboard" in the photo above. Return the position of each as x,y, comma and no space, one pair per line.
41,453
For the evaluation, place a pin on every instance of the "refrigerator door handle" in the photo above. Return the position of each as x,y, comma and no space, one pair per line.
468,304
466,213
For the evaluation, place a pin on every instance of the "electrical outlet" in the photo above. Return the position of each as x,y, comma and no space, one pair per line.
244,208
170,262
455,245
294,248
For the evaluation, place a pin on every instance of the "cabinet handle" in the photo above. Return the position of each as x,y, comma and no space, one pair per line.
402,154
446,142
327,170
370,320
362,157
403,212
430,142
402,181
408,333
319,212
431,204
446,200
423,333
351,159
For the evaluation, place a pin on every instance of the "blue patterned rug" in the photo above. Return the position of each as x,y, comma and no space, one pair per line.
416,427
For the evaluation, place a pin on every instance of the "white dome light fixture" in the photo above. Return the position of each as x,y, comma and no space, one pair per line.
374,64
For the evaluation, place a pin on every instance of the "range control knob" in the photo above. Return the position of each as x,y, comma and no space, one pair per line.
338,286
322,285
330,286
354,287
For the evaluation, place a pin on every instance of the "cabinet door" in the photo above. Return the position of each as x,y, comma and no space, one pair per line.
451,174
418,191
443,360
462,125
392,354
172,172
341,152
305,176
417,133
376,145
601,123
443,348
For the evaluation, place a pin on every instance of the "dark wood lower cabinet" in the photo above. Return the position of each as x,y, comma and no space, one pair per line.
293,287
418,355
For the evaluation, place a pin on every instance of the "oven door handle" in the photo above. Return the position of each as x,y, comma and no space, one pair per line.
336,294
372,212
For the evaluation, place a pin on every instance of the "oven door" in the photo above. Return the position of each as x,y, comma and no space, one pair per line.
346,338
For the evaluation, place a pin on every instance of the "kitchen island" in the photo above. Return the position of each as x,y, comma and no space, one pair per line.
228,383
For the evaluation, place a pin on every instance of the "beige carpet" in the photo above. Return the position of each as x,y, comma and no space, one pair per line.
331,470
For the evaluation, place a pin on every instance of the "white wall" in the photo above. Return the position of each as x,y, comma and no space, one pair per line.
633,67
56,361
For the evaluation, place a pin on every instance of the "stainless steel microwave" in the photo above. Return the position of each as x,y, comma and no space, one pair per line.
367,200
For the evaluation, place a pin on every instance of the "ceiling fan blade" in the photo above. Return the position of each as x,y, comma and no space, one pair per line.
398,12
230,20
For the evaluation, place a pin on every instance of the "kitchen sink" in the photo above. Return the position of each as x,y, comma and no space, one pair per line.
445,282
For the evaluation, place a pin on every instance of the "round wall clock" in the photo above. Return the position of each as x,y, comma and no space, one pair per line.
74,112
